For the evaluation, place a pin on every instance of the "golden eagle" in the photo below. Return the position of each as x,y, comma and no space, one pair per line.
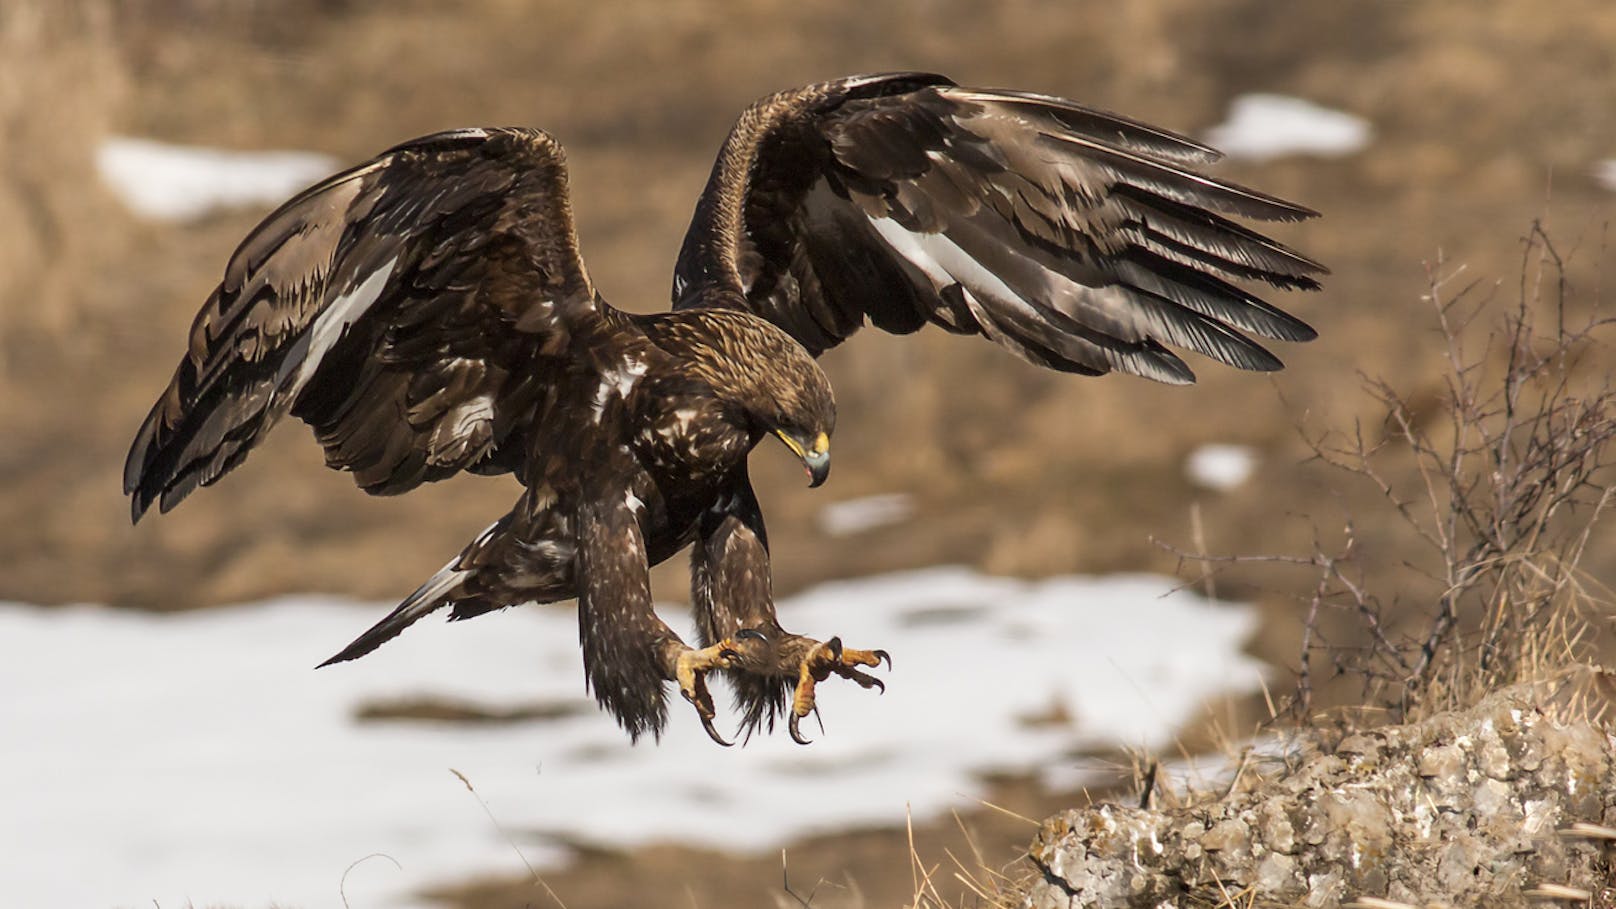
428,313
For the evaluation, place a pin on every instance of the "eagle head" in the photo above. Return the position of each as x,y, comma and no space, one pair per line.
775,384
804,423
793,401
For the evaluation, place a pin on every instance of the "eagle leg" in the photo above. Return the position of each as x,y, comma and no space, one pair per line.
690,671
821,661
734,605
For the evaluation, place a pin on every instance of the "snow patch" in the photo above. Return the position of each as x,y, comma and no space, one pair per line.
165,182
1605,174
1262,126
1221,467
198,759
852,516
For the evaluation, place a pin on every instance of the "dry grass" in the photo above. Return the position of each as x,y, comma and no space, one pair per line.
979,883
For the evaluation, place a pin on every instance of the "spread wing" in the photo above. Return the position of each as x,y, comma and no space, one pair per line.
1080,240
398,308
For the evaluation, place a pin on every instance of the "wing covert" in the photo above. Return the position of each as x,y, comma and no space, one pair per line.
398,307
1078,239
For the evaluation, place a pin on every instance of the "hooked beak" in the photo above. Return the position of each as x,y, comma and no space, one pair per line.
815,457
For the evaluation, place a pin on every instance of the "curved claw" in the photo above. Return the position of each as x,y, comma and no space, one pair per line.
796,733
712,733
751,633
886,658
864,679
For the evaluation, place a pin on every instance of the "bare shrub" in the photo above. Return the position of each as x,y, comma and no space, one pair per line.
1490,490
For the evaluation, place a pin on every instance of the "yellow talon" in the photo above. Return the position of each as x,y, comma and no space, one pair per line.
690,671
822,660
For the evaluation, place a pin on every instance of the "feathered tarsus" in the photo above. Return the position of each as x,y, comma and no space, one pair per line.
428,312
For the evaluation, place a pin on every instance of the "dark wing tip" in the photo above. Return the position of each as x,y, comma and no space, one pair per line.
142,499
1164,366
346,655
1302,213
140,450
139,480
1276,209
427,598
364,644
139,500
1260,359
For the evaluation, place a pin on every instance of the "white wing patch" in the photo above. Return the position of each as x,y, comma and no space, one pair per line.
945,263
909,246
328,328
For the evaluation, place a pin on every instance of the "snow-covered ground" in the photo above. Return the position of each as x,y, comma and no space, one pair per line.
1263,126
181,183
1220,466
199,759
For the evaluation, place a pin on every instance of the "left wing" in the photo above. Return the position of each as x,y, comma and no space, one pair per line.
398,307
1078,239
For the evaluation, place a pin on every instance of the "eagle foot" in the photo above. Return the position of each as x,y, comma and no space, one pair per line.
690,671
823,660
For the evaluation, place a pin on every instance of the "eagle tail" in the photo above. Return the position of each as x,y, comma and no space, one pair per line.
437,592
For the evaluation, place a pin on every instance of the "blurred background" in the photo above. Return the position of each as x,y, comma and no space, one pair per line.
1464,123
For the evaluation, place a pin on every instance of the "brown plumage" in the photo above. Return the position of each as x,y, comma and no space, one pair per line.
428,313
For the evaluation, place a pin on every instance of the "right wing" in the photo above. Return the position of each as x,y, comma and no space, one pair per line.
1078,239
399,308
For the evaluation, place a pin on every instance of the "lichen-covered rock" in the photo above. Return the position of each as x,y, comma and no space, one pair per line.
1465,808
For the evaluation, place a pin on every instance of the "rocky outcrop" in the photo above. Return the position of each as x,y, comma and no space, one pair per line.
1508,802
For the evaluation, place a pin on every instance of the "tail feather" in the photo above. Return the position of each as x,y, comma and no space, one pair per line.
437,592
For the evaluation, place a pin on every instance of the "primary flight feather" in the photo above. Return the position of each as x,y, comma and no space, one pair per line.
428,312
